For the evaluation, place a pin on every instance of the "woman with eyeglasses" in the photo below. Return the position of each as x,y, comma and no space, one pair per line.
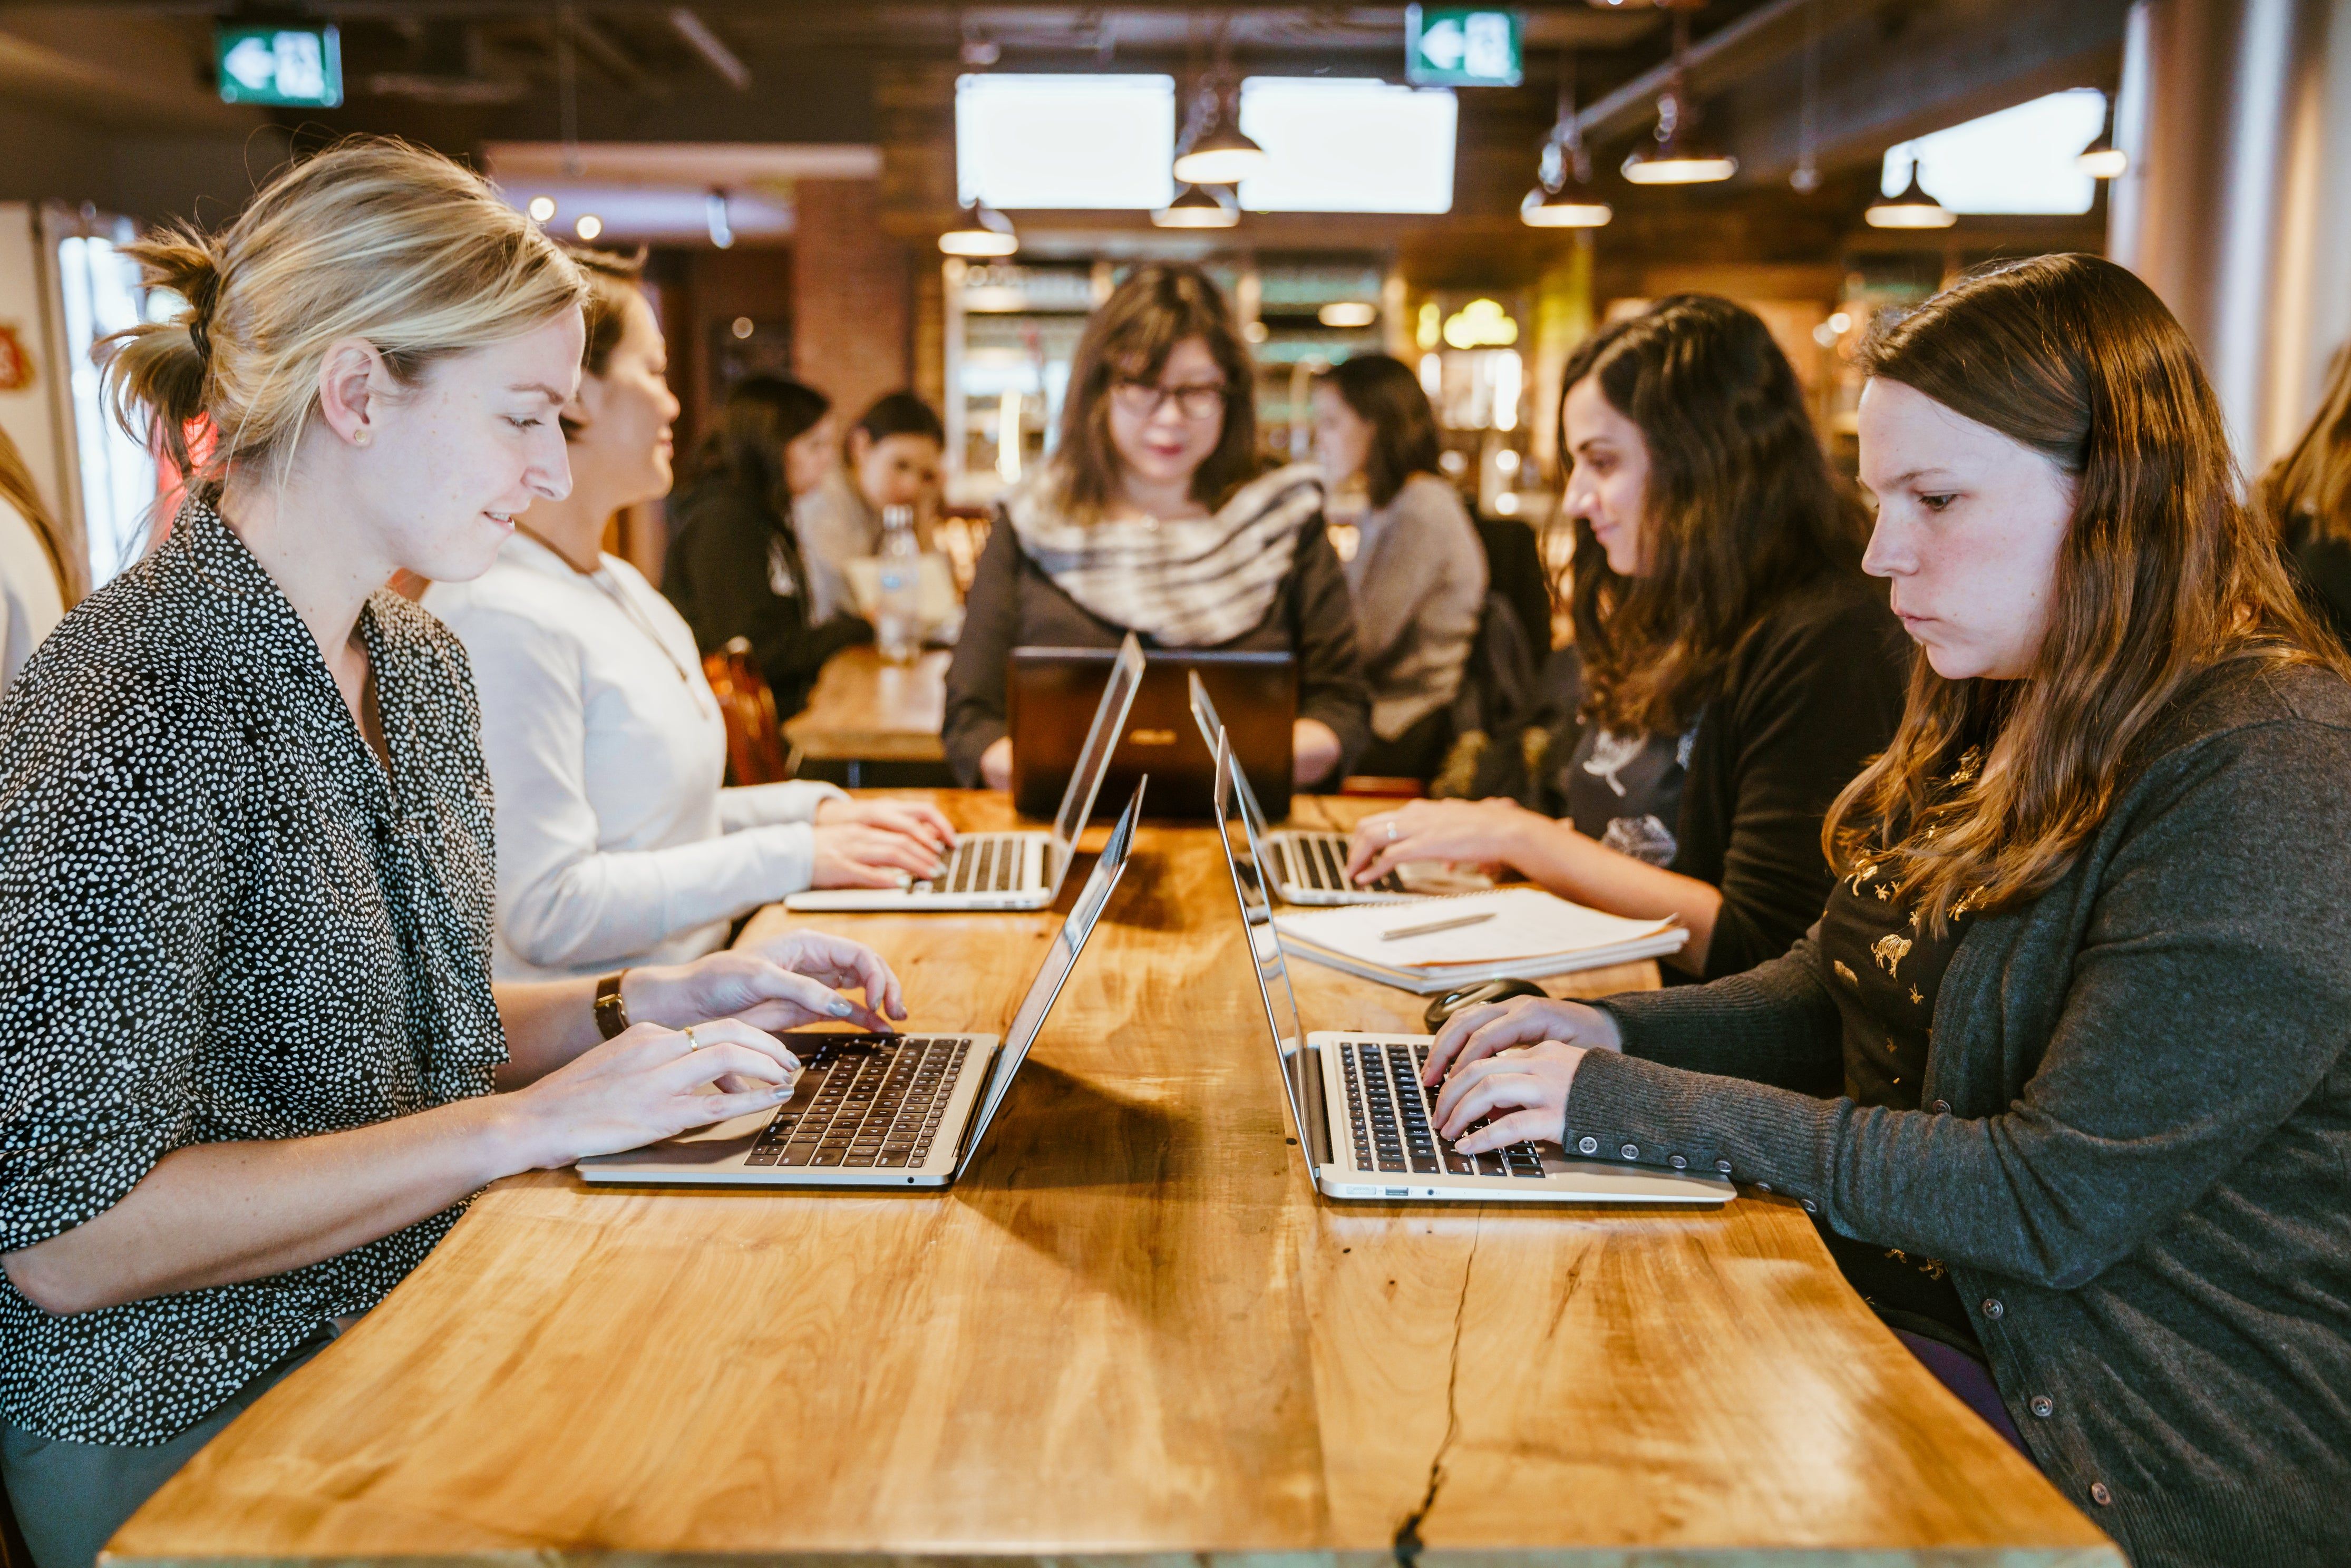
1152,517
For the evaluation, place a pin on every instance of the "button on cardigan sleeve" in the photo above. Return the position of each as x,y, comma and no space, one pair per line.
562,901
114,878
2203,1002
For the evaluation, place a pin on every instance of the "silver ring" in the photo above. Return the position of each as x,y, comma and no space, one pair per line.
692,1044
1392,833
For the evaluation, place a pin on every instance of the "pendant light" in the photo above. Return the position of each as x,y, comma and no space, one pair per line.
1681,157
981,231
2102,160
1214,151
1913,209
1197,207
1563,197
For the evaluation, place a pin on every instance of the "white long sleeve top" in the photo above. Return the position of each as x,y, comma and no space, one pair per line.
616,844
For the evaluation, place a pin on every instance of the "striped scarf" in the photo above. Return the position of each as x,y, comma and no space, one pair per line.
1192,583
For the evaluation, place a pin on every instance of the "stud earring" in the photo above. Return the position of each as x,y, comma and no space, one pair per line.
361,438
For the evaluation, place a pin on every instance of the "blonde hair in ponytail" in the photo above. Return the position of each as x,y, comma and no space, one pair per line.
372,238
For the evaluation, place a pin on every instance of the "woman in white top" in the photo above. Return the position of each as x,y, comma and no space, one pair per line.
32,566
616,844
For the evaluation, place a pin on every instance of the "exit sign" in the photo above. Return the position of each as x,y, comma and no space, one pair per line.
1457,46
300,66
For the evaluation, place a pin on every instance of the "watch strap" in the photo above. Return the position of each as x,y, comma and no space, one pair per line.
611,1013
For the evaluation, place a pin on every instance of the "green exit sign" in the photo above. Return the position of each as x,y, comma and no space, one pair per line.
301,67
1461,45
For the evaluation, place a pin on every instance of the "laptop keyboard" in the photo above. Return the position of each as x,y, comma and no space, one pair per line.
863,1101
1387,1115
981,862
1320,863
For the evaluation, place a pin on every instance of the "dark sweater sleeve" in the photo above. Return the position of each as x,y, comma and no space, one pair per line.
2206,1001
717,577
1811,705
1330,670
975,718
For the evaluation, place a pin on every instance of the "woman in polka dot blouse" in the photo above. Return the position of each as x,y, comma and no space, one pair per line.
251,1063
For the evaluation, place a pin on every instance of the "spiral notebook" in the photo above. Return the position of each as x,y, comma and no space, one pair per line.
1437,944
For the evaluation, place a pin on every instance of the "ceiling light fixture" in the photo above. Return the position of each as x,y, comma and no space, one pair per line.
1563,197
981,231
1348,313
1913,209
541,208
2102,160
1197,207
588,226
1212,150
1681,157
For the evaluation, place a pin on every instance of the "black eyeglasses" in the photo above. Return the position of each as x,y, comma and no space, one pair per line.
1141,400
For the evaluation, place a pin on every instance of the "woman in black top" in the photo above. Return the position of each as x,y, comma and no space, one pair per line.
735,568
2063,1070
1738,668
251,1042
2307,496
1151,518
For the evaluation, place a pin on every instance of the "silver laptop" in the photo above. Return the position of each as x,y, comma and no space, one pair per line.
1020,870
1366,1125
1309,865
880,1110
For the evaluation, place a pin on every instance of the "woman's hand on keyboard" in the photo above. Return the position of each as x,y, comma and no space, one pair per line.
1477,1032
917,820
1523,1091
1459,833
782,982
644,1084
853,855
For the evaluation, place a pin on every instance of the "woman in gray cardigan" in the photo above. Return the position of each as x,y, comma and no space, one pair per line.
2061,1072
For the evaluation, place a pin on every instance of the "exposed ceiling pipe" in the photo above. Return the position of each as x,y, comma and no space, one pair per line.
710,47
1624,108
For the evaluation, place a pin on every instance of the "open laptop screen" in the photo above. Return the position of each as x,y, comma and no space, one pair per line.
1102,739
1269,969
1061,958
1253,818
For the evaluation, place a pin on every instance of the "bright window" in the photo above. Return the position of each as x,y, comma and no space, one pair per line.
1036,140
101,293
2019,159
1348,145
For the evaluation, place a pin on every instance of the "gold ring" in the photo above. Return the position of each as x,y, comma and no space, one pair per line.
691,1043
1392,833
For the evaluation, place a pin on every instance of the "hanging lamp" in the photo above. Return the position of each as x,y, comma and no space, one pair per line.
1913,209
981,231
1562,197
1681,155
1197,207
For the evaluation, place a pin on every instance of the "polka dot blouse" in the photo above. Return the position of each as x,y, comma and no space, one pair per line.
220,921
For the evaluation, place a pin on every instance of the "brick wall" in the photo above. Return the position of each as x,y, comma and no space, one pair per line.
852,295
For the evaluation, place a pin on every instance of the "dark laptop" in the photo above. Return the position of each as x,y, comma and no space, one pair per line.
1051,697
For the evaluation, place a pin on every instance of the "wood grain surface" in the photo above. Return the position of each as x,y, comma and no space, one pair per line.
1133,1330
864,708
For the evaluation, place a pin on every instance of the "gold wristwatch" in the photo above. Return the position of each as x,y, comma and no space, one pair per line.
611,1013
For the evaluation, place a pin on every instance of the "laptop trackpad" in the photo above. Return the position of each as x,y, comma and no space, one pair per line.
714,1144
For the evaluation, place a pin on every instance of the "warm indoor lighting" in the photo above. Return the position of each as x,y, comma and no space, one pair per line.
541,208
1348,313
1214,151
1913,209
1572,206
2102,160
981,231
1681,157
1197,207
744,327
589,226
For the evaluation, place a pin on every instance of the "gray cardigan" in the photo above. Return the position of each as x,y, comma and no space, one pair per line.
1418,580
2135,1156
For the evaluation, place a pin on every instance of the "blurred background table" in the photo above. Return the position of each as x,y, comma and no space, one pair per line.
1132,1332
872,723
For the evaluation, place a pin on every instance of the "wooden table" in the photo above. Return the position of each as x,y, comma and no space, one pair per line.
865,710
1131,1333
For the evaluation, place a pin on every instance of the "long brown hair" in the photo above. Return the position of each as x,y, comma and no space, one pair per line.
2164,572
17,490
1742,507
1383,391
1129,339
2313,480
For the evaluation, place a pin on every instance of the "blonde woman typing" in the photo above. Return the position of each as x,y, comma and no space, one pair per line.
616,844
255,1062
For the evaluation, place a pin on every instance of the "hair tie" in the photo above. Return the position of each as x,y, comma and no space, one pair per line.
202,297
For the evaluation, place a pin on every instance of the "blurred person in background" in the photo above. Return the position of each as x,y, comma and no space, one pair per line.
2306,496
893,458
1738,667
735,566
616,844
1417,575
33,581
1152,515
